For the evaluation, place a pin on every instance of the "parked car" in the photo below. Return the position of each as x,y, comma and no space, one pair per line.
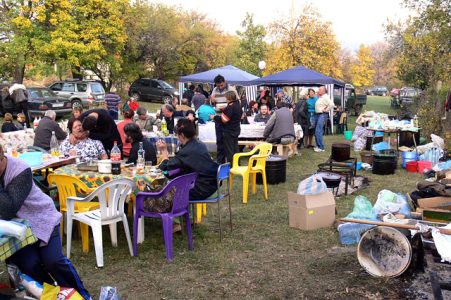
42,99
406,96
80,92
39,100
353,101
377,91
152,90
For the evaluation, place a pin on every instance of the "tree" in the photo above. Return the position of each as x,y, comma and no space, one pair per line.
422,43
384,65
346,60
252,47
362,67
306,40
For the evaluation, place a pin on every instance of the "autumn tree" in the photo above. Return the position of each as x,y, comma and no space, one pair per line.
306,40
384,64
252,47
362,67
346,59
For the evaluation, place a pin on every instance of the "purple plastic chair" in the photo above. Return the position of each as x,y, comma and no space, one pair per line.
182,185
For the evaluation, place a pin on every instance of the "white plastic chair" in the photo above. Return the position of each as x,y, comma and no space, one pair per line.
111,196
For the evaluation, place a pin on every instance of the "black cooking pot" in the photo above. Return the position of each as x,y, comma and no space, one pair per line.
332,180
341,151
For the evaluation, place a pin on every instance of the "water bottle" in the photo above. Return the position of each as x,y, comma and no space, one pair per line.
140,162
54,145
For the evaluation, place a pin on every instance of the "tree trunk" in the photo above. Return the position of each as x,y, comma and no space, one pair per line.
19,73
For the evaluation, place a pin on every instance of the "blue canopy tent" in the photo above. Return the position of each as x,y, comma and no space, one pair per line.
232,75
302,76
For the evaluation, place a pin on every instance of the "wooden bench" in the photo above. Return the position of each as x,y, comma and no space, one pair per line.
287,150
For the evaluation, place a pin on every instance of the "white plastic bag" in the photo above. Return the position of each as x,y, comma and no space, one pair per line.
312,185
443,243
11,228
387,202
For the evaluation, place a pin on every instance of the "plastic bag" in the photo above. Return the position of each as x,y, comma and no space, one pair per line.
405,208
363,209
312,185
14,229
443,244
350,233
387,202
61,293
108,293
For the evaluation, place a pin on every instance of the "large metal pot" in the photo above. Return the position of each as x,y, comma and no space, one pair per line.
341,151
332,180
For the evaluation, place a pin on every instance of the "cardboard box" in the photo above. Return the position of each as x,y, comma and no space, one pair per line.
436,202
310,212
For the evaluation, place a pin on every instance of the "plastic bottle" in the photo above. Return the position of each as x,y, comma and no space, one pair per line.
140,162
164,125
54,145
35,123
115,153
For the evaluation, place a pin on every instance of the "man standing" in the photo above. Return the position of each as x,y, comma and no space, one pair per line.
280,127
43,133
322,108
112,101
219,102
263,115
198,98
19,95
189,93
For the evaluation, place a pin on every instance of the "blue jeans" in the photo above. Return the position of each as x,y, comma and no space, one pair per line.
38,262
319,129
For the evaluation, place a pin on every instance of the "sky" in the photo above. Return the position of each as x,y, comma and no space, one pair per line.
354,22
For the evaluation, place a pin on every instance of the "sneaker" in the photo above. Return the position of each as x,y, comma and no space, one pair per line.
318,150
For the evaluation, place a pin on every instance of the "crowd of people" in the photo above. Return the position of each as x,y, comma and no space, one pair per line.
93,133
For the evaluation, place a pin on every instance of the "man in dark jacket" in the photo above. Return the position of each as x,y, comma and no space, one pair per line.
19,95
101,127
43,133
263,116
188,94
280,127
301,117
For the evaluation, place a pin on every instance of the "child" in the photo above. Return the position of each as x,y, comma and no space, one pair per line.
77,111
20,124
8,125
230,123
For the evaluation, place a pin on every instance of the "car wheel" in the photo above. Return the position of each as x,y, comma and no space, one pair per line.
167,100
76,103
136,96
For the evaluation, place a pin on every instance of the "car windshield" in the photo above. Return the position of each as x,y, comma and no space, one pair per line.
41,93
409,93
97,88
165,85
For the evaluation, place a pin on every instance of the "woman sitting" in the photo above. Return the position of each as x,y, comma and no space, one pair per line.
8,124
134,136
20,198
78,142
192,157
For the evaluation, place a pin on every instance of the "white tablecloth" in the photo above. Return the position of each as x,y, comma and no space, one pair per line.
207,133
17,139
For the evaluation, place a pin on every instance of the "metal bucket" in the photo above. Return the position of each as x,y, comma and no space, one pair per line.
384,252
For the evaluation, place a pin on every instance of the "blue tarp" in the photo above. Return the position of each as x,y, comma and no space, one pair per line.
297,76
232,75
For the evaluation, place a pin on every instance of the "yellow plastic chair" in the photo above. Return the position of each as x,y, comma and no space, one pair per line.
256,164
68,186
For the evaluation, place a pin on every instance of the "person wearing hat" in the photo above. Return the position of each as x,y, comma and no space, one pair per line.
112,101
145,121
281,96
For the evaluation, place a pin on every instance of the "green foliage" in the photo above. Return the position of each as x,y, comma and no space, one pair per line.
422,43
252,47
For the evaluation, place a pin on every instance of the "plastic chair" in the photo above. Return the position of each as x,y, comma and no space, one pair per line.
222,175
182,185
111,197
256,164
68,186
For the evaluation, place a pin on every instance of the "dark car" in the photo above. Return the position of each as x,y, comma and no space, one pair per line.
42,99
152,90
377,91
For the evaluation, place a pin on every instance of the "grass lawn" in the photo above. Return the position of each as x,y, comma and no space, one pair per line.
262,259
